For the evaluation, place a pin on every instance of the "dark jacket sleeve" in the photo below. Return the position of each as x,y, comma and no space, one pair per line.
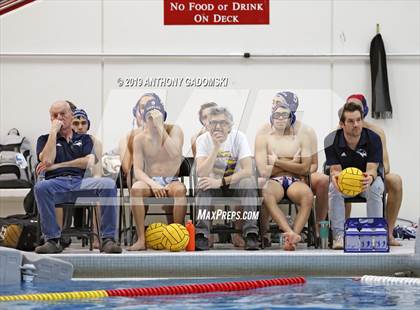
40,144
375,154
330,153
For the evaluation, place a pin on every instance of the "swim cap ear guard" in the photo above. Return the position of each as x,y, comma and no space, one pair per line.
292,118
136,107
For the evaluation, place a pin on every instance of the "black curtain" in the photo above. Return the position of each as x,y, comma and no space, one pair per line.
381,102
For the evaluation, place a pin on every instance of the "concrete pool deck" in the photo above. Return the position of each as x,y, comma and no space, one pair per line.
225,261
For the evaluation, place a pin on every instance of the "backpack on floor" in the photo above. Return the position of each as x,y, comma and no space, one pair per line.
15,161
19,231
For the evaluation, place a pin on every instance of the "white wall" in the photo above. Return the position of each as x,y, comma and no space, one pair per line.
28,85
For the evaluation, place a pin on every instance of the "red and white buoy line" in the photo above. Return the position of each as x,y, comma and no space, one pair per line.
158,291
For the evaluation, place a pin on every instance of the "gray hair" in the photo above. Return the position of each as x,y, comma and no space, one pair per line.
222,110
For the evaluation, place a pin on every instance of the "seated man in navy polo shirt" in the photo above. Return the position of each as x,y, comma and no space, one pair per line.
64,156
353,146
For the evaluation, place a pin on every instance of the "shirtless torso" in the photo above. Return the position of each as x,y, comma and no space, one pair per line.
159,158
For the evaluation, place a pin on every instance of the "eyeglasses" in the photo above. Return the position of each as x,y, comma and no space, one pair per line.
78,123
281,115
220,123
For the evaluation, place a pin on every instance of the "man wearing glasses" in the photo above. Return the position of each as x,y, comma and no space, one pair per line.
64,156
224,168
284,158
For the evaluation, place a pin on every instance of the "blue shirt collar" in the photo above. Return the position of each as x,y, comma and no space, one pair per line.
342,141
74,136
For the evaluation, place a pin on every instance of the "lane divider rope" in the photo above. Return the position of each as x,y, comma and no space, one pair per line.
390,280
157,291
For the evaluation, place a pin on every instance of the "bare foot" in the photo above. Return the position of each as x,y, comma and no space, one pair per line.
96,244
238,241
289,247
138,246
393,242
291,239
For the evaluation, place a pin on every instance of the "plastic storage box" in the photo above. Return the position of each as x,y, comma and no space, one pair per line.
365,234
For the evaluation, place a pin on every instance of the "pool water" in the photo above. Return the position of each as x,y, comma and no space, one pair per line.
317,293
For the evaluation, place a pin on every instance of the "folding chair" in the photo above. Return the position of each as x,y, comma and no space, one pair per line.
123,185
358,198
227,228
310,230
86,230
184,172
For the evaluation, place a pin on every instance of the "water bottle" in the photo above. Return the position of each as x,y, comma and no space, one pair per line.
191,231
352,243
41,176
323,233
366,242
381,242
21,161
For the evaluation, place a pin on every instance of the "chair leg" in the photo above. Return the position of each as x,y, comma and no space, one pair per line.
120,224
84,226
312,239
97,234
124,226
260,228
90,227
38,229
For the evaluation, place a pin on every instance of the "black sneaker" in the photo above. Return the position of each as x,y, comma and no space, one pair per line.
110,246
251,242
266,242
65,242
201,243
49,247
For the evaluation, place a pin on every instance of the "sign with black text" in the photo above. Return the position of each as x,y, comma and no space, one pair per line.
220,12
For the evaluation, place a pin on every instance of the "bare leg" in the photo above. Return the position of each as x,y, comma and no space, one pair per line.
273,193
300,194
178,191
139,190
169,214
320,183
393,184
